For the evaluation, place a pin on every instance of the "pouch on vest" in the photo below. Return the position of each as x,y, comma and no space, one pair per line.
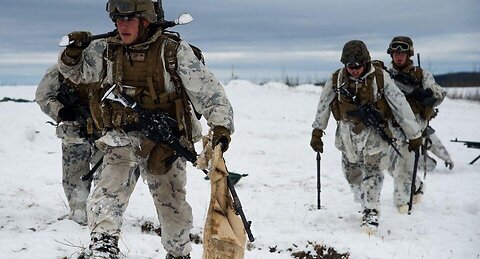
157,162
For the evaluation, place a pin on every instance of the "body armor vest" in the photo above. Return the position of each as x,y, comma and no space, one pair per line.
416,105
343,108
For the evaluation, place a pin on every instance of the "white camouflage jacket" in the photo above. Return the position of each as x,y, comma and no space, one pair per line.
204,90
368,141
428,82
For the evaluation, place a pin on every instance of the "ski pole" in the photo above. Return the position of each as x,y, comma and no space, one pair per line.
414,176
319,185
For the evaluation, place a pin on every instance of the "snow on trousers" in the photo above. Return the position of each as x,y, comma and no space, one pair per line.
116,183
401,169
365,179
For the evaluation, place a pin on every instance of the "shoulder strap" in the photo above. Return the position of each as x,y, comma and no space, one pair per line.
335,78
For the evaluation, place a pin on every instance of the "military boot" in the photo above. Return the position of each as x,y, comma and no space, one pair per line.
103,246
170,256
370,221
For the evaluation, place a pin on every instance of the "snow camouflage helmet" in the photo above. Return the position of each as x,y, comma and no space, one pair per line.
137,8
401,44
355,51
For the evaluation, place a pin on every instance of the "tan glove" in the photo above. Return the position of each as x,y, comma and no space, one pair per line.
316,142
221,135
81,40
414,144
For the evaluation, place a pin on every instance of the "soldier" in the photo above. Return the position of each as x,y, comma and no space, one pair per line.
361,146
160,72
77,151
423,94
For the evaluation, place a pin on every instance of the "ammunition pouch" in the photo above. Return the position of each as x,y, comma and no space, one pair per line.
158,163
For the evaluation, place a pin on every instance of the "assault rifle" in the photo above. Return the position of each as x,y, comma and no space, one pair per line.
68,97
411,87
369,116
469,144
159,127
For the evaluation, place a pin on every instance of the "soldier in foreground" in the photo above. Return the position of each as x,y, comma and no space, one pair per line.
160,73
77,150
361,84
423,94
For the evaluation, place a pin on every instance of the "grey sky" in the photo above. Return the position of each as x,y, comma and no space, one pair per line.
261,40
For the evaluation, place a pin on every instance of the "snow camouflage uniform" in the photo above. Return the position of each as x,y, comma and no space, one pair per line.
437,148
104,61
362,147
401,168
76,150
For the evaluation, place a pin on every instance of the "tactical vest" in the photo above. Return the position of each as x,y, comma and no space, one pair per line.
342,107
416,105
141,73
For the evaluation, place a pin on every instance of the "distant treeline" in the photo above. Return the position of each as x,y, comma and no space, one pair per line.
460,79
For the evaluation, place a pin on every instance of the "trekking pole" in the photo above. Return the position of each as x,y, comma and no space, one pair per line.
319,185
414,176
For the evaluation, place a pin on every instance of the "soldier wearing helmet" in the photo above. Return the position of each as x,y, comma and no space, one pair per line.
423,95
361,146
160,72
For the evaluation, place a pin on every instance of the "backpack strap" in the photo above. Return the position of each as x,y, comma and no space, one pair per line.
171,65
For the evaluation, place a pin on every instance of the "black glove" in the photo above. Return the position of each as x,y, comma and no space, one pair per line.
67,114
221,135
80,41
316,142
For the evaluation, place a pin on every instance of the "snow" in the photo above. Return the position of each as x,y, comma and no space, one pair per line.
271,144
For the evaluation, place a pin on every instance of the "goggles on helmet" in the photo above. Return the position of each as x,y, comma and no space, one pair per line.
399,46
123,6
354,65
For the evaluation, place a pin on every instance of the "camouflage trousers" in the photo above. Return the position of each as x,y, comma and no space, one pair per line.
76,159
401,169
115,184
365,178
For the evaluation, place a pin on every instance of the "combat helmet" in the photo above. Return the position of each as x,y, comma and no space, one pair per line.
355,51
131,8
401,44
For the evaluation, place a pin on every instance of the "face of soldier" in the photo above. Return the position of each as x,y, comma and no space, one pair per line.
355,71
128,29
399,58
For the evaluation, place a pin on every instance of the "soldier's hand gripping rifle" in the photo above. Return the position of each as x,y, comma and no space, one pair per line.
412,87
369,116
159,127
469,144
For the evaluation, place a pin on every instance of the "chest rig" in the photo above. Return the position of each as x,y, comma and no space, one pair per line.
140,72
346,109
417,107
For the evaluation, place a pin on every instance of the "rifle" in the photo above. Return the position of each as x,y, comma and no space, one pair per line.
411,87
369,116
469,144
159,127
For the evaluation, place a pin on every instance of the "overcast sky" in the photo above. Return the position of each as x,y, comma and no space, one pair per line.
258,40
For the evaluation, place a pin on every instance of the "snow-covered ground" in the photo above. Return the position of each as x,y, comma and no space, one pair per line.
271,144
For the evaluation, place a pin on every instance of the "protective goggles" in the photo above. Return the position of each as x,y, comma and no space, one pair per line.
123,6
354,65
399,46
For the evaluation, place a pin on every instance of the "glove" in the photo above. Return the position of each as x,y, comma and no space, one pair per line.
449,164
81,40
67,114
221,135
316,141
414,144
